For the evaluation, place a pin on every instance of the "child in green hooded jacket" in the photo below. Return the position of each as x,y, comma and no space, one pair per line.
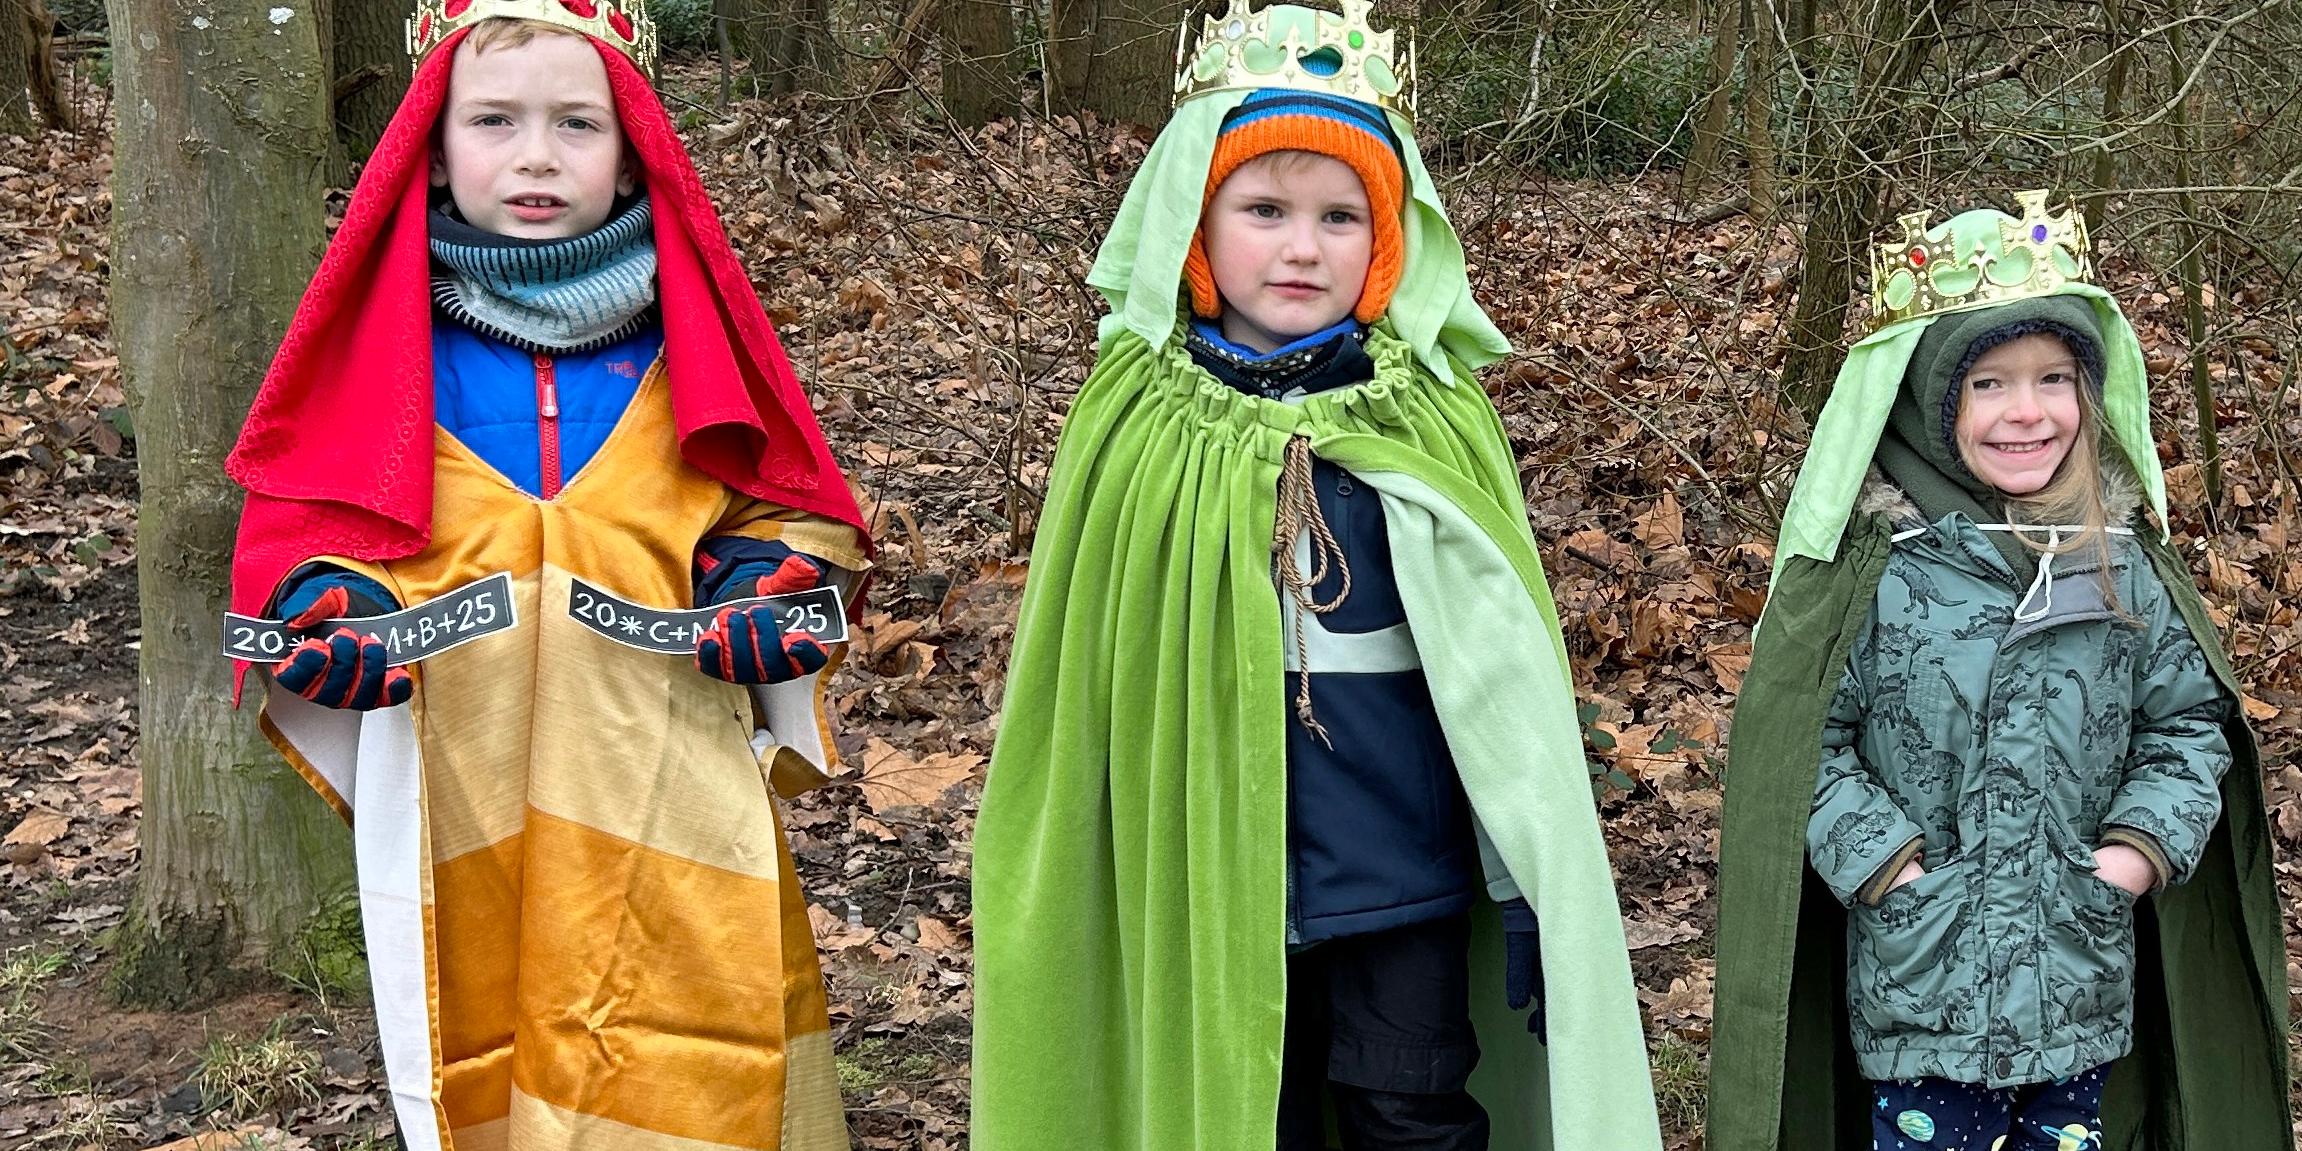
2027,737
2026,740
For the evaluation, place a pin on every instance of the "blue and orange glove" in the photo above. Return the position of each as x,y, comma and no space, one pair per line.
342,669
741,645
1523,965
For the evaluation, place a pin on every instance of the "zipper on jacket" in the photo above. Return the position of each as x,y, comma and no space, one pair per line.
548,426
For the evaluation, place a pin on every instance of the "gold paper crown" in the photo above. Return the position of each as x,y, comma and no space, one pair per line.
1286,46
1976,259
622,24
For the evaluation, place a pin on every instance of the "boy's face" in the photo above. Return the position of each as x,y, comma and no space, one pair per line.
529,144
2018,413
1289,237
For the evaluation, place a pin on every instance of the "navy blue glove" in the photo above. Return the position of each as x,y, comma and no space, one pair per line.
343,669
741,645
1523,965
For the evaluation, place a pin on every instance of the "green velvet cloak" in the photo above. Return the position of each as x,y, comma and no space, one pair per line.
1130,861
2209,1067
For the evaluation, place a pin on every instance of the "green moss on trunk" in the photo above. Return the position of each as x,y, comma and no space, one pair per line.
181,962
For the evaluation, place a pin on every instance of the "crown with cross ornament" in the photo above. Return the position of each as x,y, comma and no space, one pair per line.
1976,259
1290,46
621,24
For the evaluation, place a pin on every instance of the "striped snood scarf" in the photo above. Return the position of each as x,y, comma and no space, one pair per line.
548,296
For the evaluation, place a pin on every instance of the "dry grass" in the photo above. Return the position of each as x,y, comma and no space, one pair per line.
245,1078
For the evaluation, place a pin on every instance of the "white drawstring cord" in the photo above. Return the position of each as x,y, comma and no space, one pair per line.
2043,581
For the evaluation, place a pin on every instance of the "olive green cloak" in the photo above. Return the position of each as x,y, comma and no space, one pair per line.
2209,1068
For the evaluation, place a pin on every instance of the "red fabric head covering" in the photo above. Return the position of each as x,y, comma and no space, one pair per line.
358,355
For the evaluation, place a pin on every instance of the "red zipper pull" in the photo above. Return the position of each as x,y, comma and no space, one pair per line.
548,425
547,388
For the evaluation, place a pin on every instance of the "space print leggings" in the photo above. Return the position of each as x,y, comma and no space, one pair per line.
1942,1115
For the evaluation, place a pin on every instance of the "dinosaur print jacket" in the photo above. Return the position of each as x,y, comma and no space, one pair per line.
2000,752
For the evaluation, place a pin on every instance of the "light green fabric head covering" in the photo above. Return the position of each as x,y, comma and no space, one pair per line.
1847,433
1139,269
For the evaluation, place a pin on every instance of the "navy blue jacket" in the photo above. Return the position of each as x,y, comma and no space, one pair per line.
1379,829
1379,832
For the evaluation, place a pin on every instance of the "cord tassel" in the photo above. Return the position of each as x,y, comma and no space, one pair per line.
1299,514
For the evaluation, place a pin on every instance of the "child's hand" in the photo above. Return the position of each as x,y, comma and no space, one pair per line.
741,645
1523,964
1909,874
343,669
2125,868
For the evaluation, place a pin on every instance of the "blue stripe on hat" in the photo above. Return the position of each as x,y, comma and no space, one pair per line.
1264,103
1267,103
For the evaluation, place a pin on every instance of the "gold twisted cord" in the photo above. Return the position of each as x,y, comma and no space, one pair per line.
1298,513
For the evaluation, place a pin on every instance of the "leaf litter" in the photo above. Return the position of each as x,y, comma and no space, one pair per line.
929,286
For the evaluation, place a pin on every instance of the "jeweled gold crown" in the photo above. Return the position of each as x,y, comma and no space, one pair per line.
1289,46
622,24
1976,259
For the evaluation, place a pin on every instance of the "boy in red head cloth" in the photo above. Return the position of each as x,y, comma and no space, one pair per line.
530,350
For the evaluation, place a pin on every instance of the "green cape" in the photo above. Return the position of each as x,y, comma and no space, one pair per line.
2209,1068
1130,860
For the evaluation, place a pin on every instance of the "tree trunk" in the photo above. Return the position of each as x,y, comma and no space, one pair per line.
1758,107
810,60
1115,58
724,44
978,37
371,71
1845,188
1070,50
899,54
1801,49
787,42
217,213
2192,272
732,20
29,81
2113,100
15,70
1703,157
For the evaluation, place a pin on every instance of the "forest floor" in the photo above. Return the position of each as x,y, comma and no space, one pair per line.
929,287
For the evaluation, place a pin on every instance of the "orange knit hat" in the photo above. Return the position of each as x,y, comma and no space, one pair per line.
1286,120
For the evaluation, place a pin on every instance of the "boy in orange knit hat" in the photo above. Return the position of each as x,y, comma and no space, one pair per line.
1289,766
1227,868
1299,236
1299,250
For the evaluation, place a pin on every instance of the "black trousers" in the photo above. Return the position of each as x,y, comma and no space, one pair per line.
1381,1023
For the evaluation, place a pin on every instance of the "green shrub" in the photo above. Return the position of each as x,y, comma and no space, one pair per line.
683,25
1639,114
1616,92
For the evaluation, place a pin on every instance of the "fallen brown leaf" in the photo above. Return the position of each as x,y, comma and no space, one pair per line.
935,935
39,829
833,933
248,1138
893,779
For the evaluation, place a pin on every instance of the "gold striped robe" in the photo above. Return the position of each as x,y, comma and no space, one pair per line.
582,921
